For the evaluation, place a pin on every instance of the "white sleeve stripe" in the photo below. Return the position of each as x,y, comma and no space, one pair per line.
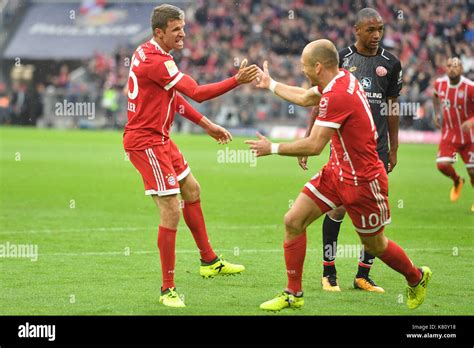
175,81
327,124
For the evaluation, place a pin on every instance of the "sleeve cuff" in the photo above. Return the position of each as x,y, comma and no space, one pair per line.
327,124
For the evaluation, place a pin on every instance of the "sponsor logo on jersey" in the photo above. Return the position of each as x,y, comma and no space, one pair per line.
381,71
171,67
352,69
366,82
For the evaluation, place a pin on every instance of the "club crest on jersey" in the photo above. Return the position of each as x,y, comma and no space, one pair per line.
381,71
171,67
171,179
461,94
366,82
352,68
323,107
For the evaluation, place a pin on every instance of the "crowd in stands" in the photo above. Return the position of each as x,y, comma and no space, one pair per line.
221,33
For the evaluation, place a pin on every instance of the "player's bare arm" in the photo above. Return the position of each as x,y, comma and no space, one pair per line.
189,87
303,160
436,111
393,126
310,146
299,96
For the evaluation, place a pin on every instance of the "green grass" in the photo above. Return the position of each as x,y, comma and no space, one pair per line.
82,250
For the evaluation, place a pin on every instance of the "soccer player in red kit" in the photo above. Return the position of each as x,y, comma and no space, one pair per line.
354,176
453,100
154,96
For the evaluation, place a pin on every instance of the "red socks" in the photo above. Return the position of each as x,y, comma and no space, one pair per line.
395,258
166,245
448,170
295,252
192,213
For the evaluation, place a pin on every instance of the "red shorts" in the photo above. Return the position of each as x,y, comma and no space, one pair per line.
447,152
367,204
162,168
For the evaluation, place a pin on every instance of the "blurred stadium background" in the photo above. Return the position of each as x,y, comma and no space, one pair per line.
79,51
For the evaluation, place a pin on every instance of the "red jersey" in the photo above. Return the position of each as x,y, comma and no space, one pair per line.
151,98
457,103
344,107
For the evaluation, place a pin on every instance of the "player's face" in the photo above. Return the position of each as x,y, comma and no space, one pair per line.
173,36
454,68
309,71
370,32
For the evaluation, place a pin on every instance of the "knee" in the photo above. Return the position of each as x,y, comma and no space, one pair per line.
376,247
292,225
442,166
191,192
337,214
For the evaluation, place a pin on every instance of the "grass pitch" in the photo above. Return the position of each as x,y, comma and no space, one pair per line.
74,195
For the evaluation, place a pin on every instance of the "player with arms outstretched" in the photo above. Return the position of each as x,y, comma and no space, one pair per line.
154,96
453,100
354,177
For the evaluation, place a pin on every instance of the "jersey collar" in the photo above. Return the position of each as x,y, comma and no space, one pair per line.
153,42
333,81
354,48
461,80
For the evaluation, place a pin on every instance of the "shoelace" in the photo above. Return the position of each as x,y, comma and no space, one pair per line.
370,281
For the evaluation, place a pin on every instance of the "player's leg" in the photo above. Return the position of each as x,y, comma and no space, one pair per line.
211,264
194,218
444,163
362,280
369,210
298,218
316,198
395,257
152,163
331,227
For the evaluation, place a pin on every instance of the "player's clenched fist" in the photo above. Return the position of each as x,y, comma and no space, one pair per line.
246,73
262,147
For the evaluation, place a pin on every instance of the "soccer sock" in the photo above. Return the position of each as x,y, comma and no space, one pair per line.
166,245
395,258
295,251
366,261
192,213
448,170
330,233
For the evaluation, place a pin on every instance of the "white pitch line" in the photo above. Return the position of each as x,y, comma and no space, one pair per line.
230,251
220,227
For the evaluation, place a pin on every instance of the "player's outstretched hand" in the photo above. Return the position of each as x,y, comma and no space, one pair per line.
246,73
263,79
436,122
219,133
303,162
262,147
